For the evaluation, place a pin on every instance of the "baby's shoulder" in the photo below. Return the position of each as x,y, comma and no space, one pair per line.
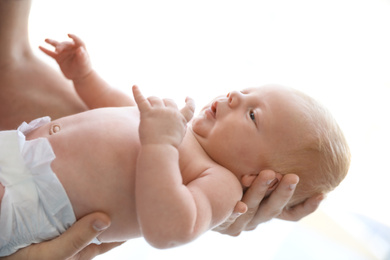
219,175
222,189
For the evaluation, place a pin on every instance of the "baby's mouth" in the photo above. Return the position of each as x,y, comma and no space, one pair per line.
213,108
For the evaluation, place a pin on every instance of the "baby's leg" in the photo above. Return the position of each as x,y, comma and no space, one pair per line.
29,88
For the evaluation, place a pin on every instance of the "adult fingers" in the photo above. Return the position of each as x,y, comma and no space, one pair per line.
76,238
224,228
240,208
255,194
303,209
188,110
103,248
276,202
253,197
94,250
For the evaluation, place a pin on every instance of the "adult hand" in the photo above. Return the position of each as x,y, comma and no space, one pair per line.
71,245
255,209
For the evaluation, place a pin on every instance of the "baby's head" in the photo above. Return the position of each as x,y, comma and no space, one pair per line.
321,156
277,128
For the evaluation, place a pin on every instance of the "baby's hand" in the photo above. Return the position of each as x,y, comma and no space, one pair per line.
161,120
72,57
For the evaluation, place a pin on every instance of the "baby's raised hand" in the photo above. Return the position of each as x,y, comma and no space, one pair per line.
71,56
161,120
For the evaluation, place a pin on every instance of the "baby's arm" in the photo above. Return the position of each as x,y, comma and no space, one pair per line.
74,61
169,212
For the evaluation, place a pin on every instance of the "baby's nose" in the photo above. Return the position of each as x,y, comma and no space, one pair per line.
234,98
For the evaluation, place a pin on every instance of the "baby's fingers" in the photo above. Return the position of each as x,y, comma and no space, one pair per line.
77,40
169,103
141,101
53,43
60,46
188,110
48,52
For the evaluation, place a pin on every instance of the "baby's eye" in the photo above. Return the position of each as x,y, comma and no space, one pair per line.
252,115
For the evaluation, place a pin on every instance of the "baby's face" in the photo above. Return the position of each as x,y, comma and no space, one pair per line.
239,131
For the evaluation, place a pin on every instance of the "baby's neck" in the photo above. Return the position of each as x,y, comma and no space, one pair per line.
192,147
193,158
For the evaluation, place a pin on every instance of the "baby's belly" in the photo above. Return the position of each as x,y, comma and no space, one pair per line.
95,161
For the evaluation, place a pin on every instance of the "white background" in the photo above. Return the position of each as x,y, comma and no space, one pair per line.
338,51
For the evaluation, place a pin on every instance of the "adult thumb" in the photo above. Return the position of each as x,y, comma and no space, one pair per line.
77,237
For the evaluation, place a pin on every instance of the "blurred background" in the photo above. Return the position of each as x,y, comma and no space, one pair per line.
337,51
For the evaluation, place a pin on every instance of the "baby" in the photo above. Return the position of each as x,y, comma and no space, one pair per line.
142,166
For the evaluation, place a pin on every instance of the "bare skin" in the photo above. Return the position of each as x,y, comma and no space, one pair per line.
40,84
109,138
73,244
113,140
31,89
162,168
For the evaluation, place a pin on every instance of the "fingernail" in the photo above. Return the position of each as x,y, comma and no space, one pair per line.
273,182
292,186
99,225
238,214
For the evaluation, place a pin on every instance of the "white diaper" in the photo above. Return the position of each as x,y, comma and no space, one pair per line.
35,206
